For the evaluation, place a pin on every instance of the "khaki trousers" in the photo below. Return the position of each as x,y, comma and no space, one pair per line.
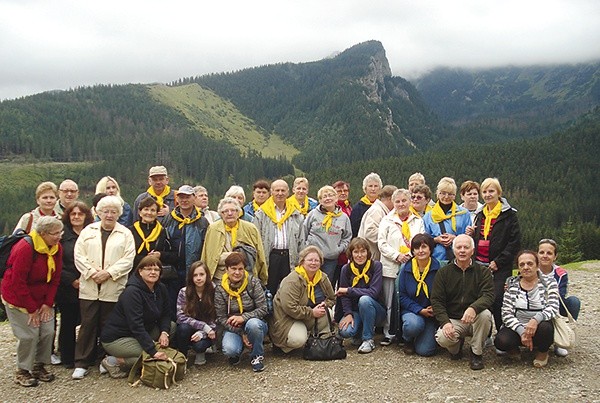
478,330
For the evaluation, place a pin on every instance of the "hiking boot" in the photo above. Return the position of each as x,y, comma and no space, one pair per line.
200,359
257,363
40,373
459,355
24,378
476,361
235,360
114,371
367,346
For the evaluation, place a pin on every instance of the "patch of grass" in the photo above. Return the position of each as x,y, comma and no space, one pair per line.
586,265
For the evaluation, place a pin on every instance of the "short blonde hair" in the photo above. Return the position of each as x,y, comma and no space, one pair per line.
491,182
417,176
101,185
309,249
446,184
326,189
44,187
300,180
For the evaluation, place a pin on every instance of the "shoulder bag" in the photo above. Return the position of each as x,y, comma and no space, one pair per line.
325,346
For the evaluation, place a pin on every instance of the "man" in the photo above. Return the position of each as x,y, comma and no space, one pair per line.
202,203
68,192
280,226
260,193
461,297
300,198
369,224
159,189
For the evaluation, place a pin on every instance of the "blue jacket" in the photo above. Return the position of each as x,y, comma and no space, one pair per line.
187,241
433,229
407,288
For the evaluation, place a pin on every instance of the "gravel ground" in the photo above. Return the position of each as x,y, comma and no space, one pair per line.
386,375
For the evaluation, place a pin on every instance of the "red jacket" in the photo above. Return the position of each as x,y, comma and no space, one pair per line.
24,284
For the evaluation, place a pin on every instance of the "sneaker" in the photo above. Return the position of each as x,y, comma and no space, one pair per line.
500,353
235,360
200,359
79,373
386,341
561,352
489,342
55,360
211,350
113,370
24,378
40,373
102,369
257,363
476,362
367,346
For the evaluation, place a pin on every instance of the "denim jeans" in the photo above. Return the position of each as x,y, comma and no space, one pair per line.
255,329
184,334
370,312
421,331
328,267
573,305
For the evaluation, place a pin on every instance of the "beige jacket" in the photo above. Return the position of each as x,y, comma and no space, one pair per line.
390,240
369,226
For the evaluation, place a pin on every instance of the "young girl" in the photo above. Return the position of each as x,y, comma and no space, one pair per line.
196,313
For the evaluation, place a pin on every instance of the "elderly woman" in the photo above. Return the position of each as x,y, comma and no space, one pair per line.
141,317
46,195
396,231
75,218
497,239
28,289
420,197
547,254
446,220
110,187
530,303
202,203
237,192
104,254
302,298
360,296
328,228
229,232
241,308
469,194
414,284
372,184
299,197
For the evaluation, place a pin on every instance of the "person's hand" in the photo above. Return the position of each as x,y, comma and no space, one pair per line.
34,319
341,291
212,335
75,284
235,321
403,258
445,239
154,253
449,332
346,321
493,266
427,312
163,339
246,341
164,210
161,355
527,341
100,276
531,327
196,336
319,310
470,230
46,313
469,316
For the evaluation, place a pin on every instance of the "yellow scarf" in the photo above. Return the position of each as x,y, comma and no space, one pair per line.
255,206
311,284
269,209
235,294
366,200
328,219
346,203
489,216
420,277
438,215
159,198
358,275
40,247
415,212
233,231
186,220
405,247
151,238
304,208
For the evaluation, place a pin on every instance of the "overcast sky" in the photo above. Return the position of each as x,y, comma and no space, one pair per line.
61,44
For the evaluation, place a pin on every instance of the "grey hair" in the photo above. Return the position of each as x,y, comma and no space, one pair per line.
47,224
198,189
471,238
372,177
110,201
228,200
399,192
235,190
310,249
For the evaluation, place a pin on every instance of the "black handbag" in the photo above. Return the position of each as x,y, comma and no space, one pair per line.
168,273
325,346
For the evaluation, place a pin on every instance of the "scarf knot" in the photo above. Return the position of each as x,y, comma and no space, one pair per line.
186,220
268,208
146,241
40,246
438,215
366,200
489,216
159,197
420,277
233,231
305,204
328,218
310,284
237,294
360,274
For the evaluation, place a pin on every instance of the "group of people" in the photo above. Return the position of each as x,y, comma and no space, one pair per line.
172,272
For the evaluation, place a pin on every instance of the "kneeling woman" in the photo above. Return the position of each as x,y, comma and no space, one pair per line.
196,313
140,317
530,302
360,295
241,307
303,296
413,284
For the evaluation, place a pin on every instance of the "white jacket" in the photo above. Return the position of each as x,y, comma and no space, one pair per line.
390,240
369,226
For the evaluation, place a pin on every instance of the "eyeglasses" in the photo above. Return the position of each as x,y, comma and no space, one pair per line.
446,194
59,233
152,269
229,211
416,197
69,190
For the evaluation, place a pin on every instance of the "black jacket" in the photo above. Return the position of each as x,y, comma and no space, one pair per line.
66,294
161,245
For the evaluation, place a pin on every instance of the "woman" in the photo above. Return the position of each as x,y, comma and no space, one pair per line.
104,254
372,184
196,313
497,239
74,218
303,296
446,220
360,296
28,290
414,285
530,302
202,203
46,195
237,192
141,317
150,238
420,198
469,194
299,197
241,307
396,231
328,228
111,187
547,254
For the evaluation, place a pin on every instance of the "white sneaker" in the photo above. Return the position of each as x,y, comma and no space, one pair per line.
200,359
561,352
102,369
489,342
501,353
367,346
79,373
55,360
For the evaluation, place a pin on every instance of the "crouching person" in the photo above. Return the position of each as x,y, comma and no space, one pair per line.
463,293
241,307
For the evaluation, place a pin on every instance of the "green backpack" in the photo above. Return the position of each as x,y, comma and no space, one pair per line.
159,374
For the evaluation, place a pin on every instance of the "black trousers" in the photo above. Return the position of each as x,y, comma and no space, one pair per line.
507,339
69,319
279,268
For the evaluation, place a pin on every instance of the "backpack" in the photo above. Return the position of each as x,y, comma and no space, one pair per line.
159,374
6,244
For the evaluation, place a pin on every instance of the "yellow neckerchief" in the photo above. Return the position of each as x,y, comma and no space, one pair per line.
304,208
40,247
366,200
420,277
255,206
153,236
346,203
415,212
328,219
405,247
235,294
358,275
233,231
186,220
311,284
489,216
269,209
159,198
438,215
